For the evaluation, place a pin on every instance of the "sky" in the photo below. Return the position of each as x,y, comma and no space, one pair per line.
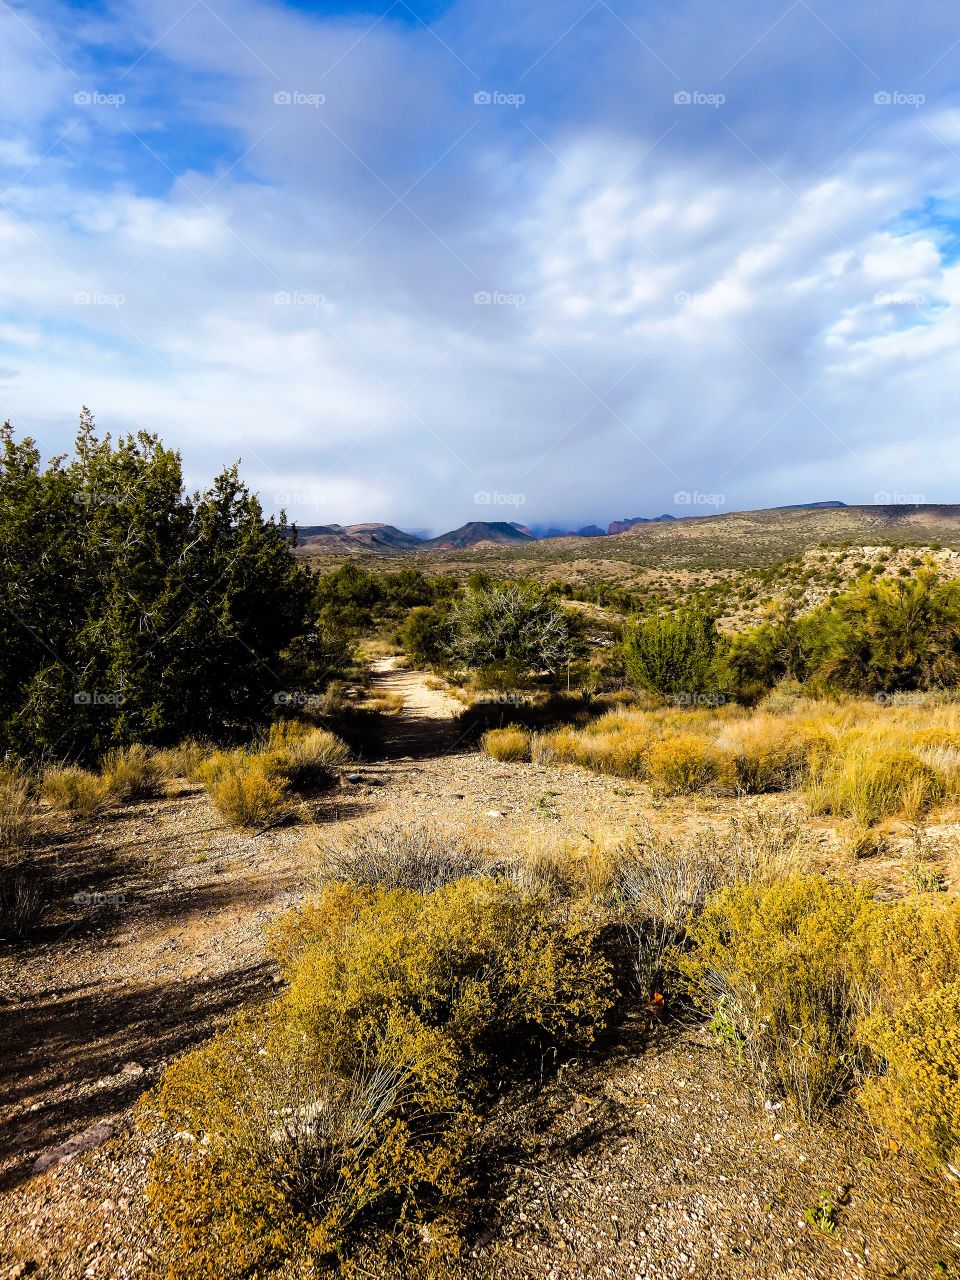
551,261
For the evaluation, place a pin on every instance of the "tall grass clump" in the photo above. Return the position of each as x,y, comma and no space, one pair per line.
132,773
683,763
419,858
512,743
21,887
74,791
868,781
340,1125
303,755
245,789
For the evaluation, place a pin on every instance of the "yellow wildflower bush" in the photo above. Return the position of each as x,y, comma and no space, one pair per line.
769,963
918,1095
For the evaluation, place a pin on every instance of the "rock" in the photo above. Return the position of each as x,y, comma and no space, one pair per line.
92,1137
495,813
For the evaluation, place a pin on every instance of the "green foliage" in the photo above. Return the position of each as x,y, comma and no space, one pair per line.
515,627
132,612
674,654
425,635
345,1116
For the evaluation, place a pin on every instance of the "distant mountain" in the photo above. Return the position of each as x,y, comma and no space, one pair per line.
621,526
468,535
355,538
588,531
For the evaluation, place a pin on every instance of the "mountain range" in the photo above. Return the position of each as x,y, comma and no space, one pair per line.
356,538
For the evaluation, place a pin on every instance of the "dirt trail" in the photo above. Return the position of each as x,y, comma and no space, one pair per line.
426,726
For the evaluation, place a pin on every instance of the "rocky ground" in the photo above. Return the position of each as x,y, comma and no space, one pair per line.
652,1160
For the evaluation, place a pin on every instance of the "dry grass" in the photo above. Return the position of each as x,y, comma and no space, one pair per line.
421,858
512,743
74,791
132,773
21,886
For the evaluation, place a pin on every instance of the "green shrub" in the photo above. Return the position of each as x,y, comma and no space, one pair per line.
771,964
75,791
674,654
511,743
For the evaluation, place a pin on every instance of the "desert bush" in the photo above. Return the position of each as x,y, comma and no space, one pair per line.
770,963
348,1111
478,957
683,763
398,856
183,760
512,743
269,1155
132,773
868,781
917,1097
304,756
674,654
78,792
515,627
245,789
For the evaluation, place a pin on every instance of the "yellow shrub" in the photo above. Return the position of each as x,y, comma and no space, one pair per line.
918,1097
904,950
245,790
347,1110
684,763
511,743
132,773
267,1157
477,957
183,760
308,759
771,964
868,782
75,791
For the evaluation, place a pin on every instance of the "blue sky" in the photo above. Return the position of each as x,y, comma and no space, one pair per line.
550,262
